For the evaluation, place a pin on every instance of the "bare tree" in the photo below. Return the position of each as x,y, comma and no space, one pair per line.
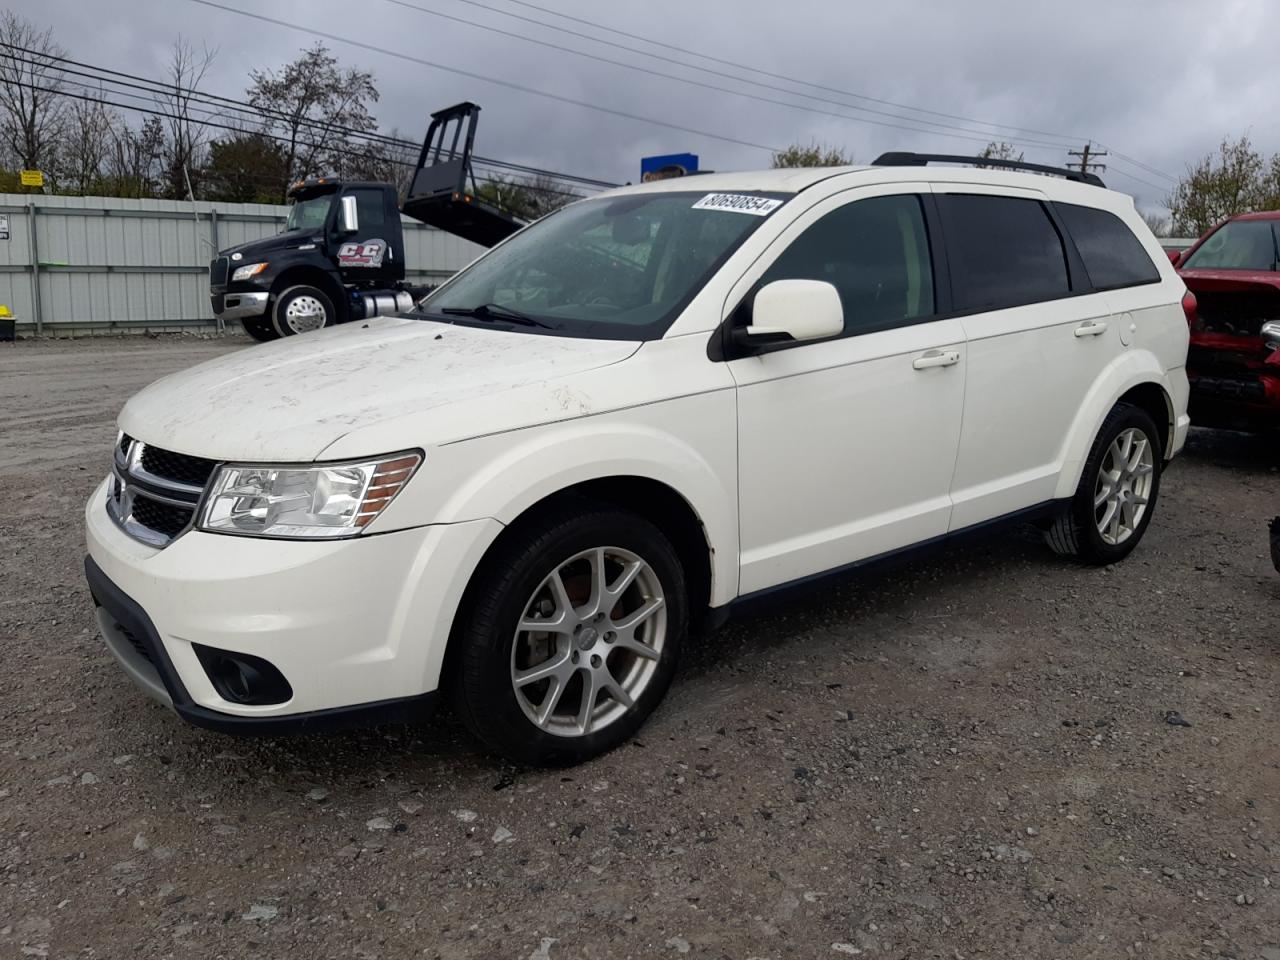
999,151
1159,224
312,104
380,160
32,110
83,156
135,159
187,138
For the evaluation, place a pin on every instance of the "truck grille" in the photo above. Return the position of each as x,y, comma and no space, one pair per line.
155,493
218,268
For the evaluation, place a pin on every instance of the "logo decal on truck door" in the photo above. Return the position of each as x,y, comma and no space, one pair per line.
368,253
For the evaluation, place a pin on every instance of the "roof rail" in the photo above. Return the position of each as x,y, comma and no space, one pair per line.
907,159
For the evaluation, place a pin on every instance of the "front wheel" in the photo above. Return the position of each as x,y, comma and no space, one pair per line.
1117,493
570,635
301,309
259,328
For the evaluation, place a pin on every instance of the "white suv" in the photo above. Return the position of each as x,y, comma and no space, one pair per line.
623,421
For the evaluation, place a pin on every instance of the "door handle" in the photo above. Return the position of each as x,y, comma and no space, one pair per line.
936,358
1091,328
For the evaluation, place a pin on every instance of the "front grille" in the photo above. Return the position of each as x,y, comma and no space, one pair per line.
180,467
218,268
161,517
154,492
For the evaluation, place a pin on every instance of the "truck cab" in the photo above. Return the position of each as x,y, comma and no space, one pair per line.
342,241
341,256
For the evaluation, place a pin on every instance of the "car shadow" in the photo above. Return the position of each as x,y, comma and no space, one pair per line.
1235,450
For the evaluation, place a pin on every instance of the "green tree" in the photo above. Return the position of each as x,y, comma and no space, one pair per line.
527,199
1235,180
812,155
244,168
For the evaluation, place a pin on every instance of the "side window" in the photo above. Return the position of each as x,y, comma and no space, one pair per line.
1112,255
369,209
876,253
1004,251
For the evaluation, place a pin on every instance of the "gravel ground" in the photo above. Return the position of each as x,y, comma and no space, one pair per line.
967,756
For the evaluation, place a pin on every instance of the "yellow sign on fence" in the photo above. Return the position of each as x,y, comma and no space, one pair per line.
32,178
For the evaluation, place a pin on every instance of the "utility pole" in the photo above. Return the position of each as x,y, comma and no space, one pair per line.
1085,164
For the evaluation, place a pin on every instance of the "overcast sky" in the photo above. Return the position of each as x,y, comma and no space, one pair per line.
1160,82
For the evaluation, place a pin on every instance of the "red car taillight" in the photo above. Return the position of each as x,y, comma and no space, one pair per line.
1189,308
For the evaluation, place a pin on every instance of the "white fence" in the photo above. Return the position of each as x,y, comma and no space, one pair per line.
71,265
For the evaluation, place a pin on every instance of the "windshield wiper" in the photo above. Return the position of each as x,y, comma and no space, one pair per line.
496,312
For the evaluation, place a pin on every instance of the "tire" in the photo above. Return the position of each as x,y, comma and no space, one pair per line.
492,662
1095,534
301,309
259,328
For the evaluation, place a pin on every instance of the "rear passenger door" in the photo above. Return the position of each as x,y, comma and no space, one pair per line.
846,446
1037,336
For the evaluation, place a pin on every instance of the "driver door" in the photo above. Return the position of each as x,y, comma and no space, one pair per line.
846,446
369,253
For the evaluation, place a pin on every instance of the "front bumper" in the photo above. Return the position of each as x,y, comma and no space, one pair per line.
238,306
358,627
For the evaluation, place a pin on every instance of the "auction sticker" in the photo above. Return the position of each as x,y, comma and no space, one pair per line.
738,203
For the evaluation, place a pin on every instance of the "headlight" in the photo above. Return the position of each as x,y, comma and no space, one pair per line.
250,270
311,503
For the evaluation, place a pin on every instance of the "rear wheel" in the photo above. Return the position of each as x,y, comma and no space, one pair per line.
259,328
1117,493
571,635
301,309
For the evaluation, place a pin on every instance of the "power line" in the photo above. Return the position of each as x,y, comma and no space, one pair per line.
105,74
374,48
967,133
739,66
379,158
778,76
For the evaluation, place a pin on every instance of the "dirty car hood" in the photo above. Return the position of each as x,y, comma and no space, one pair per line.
288,400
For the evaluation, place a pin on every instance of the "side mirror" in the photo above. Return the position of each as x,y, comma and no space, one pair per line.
792,310
1174,256
348,219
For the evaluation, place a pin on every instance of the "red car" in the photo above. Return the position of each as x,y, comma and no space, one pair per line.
1233,275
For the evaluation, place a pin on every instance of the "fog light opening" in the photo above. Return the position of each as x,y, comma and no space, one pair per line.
242,677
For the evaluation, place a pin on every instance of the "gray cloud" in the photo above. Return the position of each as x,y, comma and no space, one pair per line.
1160,82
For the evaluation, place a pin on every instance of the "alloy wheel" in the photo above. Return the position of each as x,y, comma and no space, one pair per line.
1123,490
588,642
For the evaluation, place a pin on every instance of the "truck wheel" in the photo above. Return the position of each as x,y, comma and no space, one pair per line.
1117,494
301,309
259,328
570,635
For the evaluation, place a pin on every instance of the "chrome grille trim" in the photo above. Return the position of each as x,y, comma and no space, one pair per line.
130,482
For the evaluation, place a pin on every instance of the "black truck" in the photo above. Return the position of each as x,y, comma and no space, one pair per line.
342,255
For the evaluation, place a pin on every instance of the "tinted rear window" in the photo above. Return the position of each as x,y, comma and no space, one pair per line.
1004,251
1112,255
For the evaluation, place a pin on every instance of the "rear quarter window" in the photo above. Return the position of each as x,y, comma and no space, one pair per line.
1112,255
1004,251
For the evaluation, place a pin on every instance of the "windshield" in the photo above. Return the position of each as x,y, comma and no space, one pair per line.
614,268
1238,245
309,214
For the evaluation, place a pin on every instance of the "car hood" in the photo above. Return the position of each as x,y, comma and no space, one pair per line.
289,400
1229,280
